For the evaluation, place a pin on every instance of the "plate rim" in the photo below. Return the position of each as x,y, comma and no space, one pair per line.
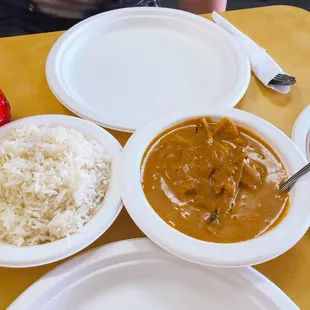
137,245
61,93
301,130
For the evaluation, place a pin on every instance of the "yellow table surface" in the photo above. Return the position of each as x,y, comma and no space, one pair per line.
284,31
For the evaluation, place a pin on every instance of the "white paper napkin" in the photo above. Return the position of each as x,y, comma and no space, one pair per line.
262,65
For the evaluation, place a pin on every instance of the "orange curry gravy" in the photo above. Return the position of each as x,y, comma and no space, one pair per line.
214,181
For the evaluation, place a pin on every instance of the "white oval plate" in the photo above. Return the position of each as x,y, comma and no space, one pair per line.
247,253
17,257
124,67
136,274
300,133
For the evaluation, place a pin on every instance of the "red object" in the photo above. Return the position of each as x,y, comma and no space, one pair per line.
5,109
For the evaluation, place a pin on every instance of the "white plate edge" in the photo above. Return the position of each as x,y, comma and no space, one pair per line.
129,246
301,131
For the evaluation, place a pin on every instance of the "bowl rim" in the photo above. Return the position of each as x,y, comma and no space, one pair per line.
254,251
30,256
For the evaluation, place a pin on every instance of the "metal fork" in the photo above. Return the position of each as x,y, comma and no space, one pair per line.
287,184
283,79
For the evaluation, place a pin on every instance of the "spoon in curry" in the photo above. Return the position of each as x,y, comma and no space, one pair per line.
287,184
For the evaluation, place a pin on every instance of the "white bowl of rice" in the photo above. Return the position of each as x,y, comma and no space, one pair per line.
58,188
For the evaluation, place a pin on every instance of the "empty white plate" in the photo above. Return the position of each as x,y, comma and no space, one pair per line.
124,67
136,274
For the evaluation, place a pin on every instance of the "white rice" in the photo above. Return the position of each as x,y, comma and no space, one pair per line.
52,181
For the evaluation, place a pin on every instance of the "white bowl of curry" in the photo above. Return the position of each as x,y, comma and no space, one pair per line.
204,185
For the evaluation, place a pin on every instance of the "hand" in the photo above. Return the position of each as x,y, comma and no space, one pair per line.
203,6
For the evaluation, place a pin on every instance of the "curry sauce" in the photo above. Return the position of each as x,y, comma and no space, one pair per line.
215,182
